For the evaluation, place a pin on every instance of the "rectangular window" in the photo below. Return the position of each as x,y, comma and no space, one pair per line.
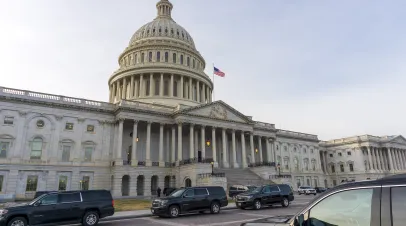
36,149
90,128
1,182
63,180
333,169
69,126
4,146
331,155
8,120
351,167
174,58
88,154
166,57
85,183
142,57
342,168
158,57
66,153
348,153
339,154
150,56
32,182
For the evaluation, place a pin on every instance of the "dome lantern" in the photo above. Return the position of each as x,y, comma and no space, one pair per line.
164,8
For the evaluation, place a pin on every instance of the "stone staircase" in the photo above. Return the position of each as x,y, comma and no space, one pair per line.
242,177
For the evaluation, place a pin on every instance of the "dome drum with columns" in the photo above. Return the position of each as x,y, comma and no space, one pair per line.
161,65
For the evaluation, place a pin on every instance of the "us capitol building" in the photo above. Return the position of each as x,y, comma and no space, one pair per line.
161,128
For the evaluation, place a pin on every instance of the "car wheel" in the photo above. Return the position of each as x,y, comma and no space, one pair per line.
215,208
90,218
285,202
300,193
314,194
174,211
18,221
257,204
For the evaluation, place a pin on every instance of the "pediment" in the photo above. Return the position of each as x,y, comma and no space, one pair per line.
217,110
398,139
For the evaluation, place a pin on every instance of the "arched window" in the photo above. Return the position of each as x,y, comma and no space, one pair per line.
166,57
174,58
158,56
286,162
188,61
175,88
150,57
142,57
181,59
296,162
36,148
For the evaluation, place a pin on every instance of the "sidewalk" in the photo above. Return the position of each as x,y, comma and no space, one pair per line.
143,213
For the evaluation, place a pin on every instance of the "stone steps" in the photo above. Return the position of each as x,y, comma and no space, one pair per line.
242,177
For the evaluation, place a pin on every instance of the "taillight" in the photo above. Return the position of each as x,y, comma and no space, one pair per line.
112,202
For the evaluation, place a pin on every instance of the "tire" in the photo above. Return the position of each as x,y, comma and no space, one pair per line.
21,220
314,194
173,211
215,208
285,202
90,218
257,204
300,193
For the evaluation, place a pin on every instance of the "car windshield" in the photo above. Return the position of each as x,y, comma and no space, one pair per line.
250,188
177,193
306,187
38,198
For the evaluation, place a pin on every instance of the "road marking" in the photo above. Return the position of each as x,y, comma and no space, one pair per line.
255,214
229,222
162,222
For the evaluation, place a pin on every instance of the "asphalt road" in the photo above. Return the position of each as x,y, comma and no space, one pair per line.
233,217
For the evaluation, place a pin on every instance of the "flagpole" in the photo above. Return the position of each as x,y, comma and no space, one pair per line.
213,82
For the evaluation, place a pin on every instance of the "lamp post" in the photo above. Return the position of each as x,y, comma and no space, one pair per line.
212,168
279,168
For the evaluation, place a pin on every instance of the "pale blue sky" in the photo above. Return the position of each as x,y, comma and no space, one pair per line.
331,68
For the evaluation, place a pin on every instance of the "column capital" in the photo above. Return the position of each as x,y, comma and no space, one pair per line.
120,119
202,127
136,121
149,122
192,124
162,124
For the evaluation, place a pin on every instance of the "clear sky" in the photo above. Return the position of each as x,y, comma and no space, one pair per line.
330,68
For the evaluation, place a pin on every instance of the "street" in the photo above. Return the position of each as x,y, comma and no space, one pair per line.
232,217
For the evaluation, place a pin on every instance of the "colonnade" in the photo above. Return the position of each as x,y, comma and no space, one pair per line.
195,131
160,85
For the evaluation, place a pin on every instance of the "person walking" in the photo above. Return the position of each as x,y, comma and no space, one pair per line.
159,192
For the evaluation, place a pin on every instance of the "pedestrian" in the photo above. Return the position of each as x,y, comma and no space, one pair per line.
159,191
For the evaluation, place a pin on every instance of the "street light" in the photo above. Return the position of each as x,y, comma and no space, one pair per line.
212,168
208,143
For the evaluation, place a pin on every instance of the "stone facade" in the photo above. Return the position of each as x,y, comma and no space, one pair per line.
161,128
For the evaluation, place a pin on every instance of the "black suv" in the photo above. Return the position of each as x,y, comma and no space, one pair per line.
192,199
85,207
265,195
373,203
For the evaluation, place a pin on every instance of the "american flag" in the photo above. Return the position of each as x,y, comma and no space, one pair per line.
218,72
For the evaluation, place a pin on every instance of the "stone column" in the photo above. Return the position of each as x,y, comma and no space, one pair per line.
213,141
403,160
124,95
161,145
395,159
134,160
252,148
132,87
260,149
118,90
171,88
224,142
203,141
243,152
181,95
113,93
234,150
375,157
204,93
190,89
385,160
369,158
151,85
167,150
161,85
191,144
179,142
198,91
390,160
141,85
148,145
119,158
268,150
173,148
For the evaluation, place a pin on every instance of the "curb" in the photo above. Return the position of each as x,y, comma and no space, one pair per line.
142,215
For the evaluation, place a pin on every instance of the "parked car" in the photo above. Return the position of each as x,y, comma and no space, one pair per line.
306,190
265,195
238,189
85,207
373,203
190,200
320,189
